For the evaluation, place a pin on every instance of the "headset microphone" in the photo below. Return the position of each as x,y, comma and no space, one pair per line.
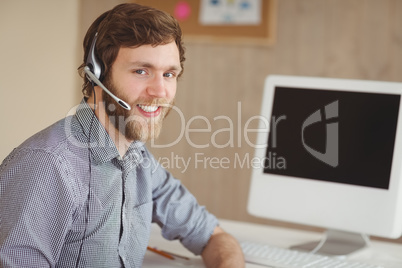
93,71
93,78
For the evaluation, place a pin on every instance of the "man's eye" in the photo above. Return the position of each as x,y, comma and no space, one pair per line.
168,75
140,71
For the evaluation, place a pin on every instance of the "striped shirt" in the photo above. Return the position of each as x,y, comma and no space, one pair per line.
67,199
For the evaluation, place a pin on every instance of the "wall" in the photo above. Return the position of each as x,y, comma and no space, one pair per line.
41,49
38,58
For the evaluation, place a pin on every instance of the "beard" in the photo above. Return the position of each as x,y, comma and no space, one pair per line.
132,125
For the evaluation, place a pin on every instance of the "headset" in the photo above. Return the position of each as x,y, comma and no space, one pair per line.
93,70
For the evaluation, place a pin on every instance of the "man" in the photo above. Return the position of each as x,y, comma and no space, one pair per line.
84,191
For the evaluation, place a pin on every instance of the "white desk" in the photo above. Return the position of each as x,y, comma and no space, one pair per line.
389,254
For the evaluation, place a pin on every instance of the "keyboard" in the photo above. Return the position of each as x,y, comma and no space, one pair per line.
273,256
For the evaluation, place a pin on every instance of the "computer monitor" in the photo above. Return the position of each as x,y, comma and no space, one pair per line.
330,154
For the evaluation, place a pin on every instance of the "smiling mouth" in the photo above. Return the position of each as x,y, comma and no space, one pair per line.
148,109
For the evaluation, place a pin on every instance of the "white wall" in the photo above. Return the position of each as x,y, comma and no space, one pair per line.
39,51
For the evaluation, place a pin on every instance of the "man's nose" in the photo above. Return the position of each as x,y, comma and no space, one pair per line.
157,88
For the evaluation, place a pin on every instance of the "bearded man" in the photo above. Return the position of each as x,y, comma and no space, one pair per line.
84,191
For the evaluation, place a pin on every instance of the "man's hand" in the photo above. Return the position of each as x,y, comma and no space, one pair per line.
223,251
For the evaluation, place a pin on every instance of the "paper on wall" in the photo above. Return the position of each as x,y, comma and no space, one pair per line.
230,12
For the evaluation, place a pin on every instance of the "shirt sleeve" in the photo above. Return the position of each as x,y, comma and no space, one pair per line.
178,213
36,208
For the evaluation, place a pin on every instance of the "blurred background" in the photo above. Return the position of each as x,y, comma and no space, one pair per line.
220,92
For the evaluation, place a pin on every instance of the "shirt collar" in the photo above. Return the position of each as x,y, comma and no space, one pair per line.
101,145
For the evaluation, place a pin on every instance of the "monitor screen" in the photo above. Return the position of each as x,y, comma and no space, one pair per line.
331,155
336,136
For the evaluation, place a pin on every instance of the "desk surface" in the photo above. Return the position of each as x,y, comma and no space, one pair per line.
388,254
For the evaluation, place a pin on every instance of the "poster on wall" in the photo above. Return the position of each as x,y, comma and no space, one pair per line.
230,12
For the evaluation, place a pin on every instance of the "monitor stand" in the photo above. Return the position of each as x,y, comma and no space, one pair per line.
335,243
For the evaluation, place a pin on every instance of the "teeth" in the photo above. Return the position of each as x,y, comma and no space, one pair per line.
148,109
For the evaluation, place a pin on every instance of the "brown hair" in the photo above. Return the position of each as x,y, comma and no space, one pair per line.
128,25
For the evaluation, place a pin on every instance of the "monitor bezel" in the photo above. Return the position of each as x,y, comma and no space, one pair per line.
347,207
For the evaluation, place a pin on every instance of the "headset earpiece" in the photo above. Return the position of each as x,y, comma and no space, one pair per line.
93,70
92,62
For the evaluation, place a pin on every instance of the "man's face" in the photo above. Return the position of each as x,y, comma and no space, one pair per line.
146,78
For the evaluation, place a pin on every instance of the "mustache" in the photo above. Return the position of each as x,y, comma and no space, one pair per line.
154,102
